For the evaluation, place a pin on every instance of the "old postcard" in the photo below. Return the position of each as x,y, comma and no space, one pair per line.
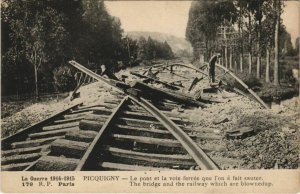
150,96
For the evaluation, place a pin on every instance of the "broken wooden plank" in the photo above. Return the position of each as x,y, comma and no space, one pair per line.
212,99
168,85
219,120
74,94
160,93
194,83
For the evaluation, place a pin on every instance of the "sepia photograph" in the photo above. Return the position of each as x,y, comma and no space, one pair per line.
93,85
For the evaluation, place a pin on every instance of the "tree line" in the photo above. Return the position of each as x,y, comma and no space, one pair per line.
152,49
243,31
40,37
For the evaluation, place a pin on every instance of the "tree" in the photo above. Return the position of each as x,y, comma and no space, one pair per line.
258,15
297,46
100,41
37,33
277,6
203,22
141,51
285,42
150,49
241,8
268,33
248,7
167,51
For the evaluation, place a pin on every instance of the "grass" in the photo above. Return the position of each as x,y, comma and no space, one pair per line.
12,106
16,124
18,114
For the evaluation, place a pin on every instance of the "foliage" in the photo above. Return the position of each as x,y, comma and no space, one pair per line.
64,79
203,21
153,49
44,35
297,44
250,26
35,34
101,34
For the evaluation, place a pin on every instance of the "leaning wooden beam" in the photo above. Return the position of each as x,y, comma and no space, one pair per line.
73,95
170,86
245,86
120,85
167,94
195,81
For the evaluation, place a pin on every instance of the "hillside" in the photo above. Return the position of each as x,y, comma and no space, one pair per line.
177,44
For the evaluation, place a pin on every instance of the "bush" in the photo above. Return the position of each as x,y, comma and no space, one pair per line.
251,81
63,79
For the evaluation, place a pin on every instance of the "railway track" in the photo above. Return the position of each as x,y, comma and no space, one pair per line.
125,132
119,134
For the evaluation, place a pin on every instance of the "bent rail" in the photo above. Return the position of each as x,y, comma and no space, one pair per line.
245,86
191,147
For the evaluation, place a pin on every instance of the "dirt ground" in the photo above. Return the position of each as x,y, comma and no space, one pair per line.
274,142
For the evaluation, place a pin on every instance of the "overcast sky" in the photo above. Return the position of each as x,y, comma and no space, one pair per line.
171,16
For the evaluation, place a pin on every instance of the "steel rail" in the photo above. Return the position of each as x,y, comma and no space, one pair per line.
245,86
191,147
95,76
91,150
